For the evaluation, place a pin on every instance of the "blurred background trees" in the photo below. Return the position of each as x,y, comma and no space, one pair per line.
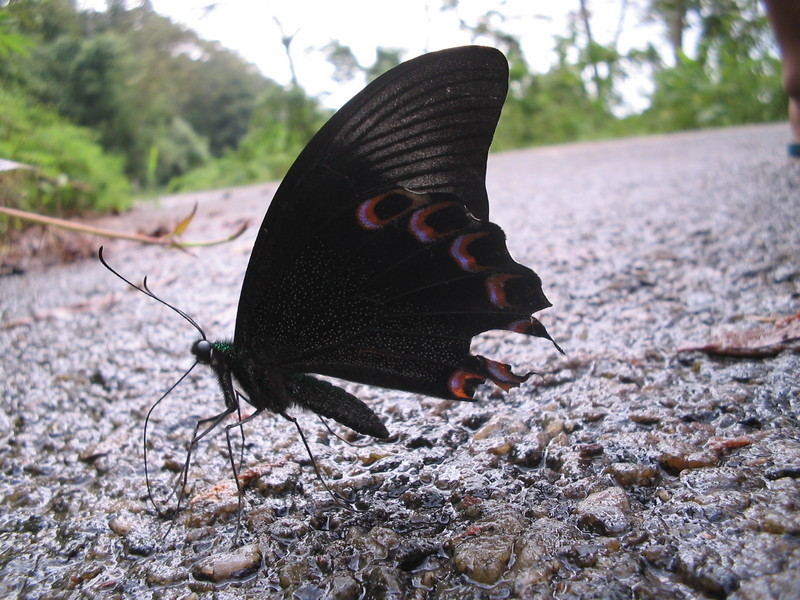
107,104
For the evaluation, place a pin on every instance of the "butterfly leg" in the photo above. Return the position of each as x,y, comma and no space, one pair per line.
337,498
240,492
207,425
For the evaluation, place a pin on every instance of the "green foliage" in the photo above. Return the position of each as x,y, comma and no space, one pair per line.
83,80
281,126
692,96
548,108
138,80
346,65
73,173
218,96
11,43
44,20
556,106
180,149
735,77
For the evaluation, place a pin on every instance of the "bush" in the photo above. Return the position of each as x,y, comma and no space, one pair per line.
72,171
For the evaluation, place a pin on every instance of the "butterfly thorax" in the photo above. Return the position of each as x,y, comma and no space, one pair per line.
263,387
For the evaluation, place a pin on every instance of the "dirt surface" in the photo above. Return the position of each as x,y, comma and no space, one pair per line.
660,458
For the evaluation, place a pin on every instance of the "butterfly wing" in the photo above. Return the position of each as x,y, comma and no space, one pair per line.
425,126
376,261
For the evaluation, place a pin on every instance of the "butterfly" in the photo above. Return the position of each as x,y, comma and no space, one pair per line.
376,261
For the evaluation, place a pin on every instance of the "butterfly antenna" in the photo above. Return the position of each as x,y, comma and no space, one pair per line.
340,438
146,291
337,498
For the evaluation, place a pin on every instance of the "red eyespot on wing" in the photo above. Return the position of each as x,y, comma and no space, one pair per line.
420,227
532,326
459,250
501,375
381,210
463,384
496,289
367,217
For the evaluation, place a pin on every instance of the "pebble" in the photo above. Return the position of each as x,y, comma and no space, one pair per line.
630,474
607,512
237,563
483,552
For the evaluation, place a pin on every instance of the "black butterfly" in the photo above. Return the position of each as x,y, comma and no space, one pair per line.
376,261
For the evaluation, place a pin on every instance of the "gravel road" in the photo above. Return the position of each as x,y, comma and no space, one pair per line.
660,458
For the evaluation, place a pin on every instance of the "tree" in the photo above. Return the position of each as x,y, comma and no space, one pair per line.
346,65
734,77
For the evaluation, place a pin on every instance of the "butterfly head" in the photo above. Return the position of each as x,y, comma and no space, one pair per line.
211,353
202,350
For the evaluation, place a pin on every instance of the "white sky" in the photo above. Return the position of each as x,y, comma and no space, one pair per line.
416,26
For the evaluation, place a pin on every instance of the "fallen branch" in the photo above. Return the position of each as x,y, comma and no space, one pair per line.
165,240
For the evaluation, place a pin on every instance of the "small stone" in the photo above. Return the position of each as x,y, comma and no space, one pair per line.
344,587
528,582
592,416
645,418
530,451
412,553
500,425
774,586
545,539
383,583
295,570
607,512
499,436
212,503
484,554
122,525
161,575
375,544
554,428
712,479
719,444
288,529
584,555
659,555
679,457
703,569
102,448
138,535
235,564
774,520
590,450
630,474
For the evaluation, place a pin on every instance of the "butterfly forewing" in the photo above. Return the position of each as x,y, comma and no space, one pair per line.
425,126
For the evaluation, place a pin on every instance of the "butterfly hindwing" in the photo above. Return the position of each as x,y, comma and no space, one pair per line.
406,297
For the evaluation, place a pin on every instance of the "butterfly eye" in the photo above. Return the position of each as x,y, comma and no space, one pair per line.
202,351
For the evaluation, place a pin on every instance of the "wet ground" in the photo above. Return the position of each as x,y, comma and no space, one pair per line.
660,458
